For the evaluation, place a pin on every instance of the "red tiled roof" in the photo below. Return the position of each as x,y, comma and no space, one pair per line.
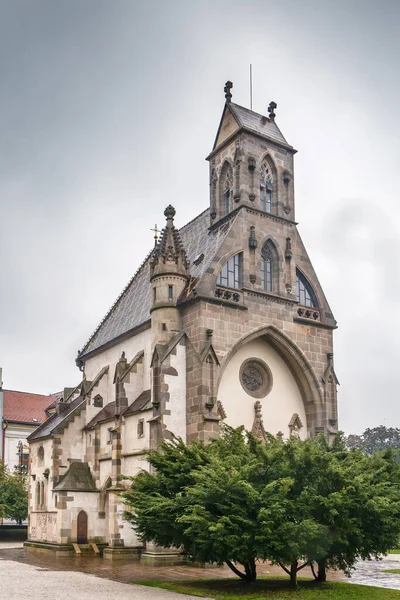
25,407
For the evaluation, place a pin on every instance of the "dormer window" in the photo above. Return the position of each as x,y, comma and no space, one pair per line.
265,189
231,273
305,294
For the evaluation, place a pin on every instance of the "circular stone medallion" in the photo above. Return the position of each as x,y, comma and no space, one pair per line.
255,377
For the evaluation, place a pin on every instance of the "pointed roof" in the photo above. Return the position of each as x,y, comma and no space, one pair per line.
248,120
258,426
78,478
169,249
57,419
132,308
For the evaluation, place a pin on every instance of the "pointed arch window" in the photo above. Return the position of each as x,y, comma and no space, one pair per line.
305,294
231,273
269,267
227,198
226,188
266,272
265,188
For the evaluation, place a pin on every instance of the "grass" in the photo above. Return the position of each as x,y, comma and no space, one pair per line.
397,571
274,589
394,551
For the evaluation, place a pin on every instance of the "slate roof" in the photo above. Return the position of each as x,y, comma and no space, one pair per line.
141,403
257,123
24,407
105,414
78,478
132,308
55,420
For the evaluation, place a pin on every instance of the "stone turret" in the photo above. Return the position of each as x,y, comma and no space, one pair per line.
169,272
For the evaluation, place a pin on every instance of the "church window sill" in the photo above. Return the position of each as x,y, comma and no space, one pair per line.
270,296
308,312
227,294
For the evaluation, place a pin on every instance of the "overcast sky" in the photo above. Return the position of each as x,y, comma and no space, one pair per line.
107,111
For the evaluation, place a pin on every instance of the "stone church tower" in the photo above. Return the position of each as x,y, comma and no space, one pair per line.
224,321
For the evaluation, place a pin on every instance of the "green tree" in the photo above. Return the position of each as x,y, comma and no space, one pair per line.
13,496
377,438
237,501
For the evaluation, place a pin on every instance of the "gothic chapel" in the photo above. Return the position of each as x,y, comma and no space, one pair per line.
225,321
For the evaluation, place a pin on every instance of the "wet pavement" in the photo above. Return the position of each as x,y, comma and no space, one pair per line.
23,580
366,573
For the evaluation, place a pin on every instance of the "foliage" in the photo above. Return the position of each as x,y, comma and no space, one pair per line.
378,438
13,496
274,589
294,503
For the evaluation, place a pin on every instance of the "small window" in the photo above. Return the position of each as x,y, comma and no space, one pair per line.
231,273
266,273
109,435
37,496
226,189
154,294
170,292
305,295
227,196
98,401
140,428
41,454
164,327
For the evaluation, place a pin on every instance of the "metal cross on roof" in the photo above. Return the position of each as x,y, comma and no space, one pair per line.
227,90
156,232
271,110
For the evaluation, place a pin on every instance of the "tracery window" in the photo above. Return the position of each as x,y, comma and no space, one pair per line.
305,295
266,273
265,188
231,273
227,188
269,267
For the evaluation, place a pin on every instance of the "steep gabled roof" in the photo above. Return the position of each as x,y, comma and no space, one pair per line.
142,402
78,478
107,413
56,419
257,123
249,120
132,308
23,407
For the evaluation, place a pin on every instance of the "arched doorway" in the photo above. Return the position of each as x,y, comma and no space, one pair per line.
82,536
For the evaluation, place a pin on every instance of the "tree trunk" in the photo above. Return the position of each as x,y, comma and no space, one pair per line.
249,567
293,574
322,570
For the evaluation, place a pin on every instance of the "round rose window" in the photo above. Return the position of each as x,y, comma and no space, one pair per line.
255,377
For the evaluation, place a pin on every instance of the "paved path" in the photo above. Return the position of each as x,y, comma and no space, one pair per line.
20,581
23,572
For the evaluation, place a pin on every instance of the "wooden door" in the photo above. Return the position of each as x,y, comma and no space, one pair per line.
82,527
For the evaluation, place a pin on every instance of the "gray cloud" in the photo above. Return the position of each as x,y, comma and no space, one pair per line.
107,110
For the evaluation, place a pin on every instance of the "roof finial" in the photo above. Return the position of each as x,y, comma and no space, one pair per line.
169,212
227,90
271,110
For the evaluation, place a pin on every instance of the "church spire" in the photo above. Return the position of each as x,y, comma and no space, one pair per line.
169,255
